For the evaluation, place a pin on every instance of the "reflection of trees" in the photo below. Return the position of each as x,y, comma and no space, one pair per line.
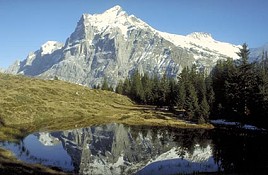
241,152
186,139
22,148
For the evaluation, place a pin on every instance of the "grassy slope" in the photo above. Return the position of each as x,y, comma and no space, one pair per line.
28,105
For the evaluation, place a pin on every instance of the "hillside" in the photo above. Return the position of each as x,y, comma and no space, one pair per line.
25,100
54,104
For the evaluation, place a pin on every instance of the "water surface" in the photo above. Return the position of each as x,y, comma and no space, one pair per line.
121,149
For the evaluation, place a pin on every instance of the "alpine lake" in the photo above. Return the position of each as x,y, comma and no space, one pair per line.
142,150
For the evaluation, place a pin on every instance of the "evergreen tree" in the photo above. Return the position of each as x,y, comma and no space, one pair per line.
244,54
181,95
240,90
259,103
184,79
119,87
223,72
147,87
201,90
105,85
136,89
210,95
156,90
172,98
94,86
247,82
187,79
126,87
191,102
232,95
163,91
203,111
110,88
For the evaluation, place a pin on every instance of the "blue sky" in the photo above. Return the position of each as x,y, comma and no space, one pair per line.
26,24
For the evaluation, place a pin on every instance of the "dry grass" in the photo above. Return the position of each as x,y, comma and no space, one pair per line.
26,100
41,102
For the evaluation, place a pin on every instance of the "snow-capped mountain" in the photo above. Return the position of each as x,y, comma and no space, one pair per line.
114,44
256,54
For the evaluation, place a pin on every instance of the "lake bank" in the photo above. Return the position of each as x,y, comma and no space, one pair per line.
30,105
141,118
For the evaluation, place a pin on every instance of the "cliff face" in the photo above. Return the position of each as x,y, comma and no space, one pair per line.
114,44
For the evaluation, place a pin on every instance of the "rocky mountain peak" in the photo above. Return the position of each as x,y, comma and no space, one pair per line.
114,15
112,19
114,11
201,36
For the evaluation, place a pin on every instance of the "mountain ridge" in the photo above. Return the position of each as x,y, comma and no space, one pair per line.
114,44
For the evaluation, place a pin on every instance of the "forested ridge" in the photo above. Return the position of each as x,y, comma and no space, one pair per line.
236,90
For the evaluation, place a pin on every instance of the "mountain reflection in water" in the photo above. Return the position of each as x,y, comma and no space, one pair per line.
122,149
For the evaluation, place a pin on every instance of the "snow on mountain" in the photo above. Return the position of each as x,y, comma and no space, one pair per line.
114,44
114,18
256,54
50,46
202,43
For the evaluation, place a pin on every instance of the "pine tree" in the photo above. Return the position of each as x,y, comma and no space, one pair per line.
244,54
259,103
110,88
156,90
105,85
247,80
221,75
186,83
94,86
191,102
119,87
136,89
172,98
210,95
181,95
204,111
184,79
147,87
163,91
126,87
201,90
